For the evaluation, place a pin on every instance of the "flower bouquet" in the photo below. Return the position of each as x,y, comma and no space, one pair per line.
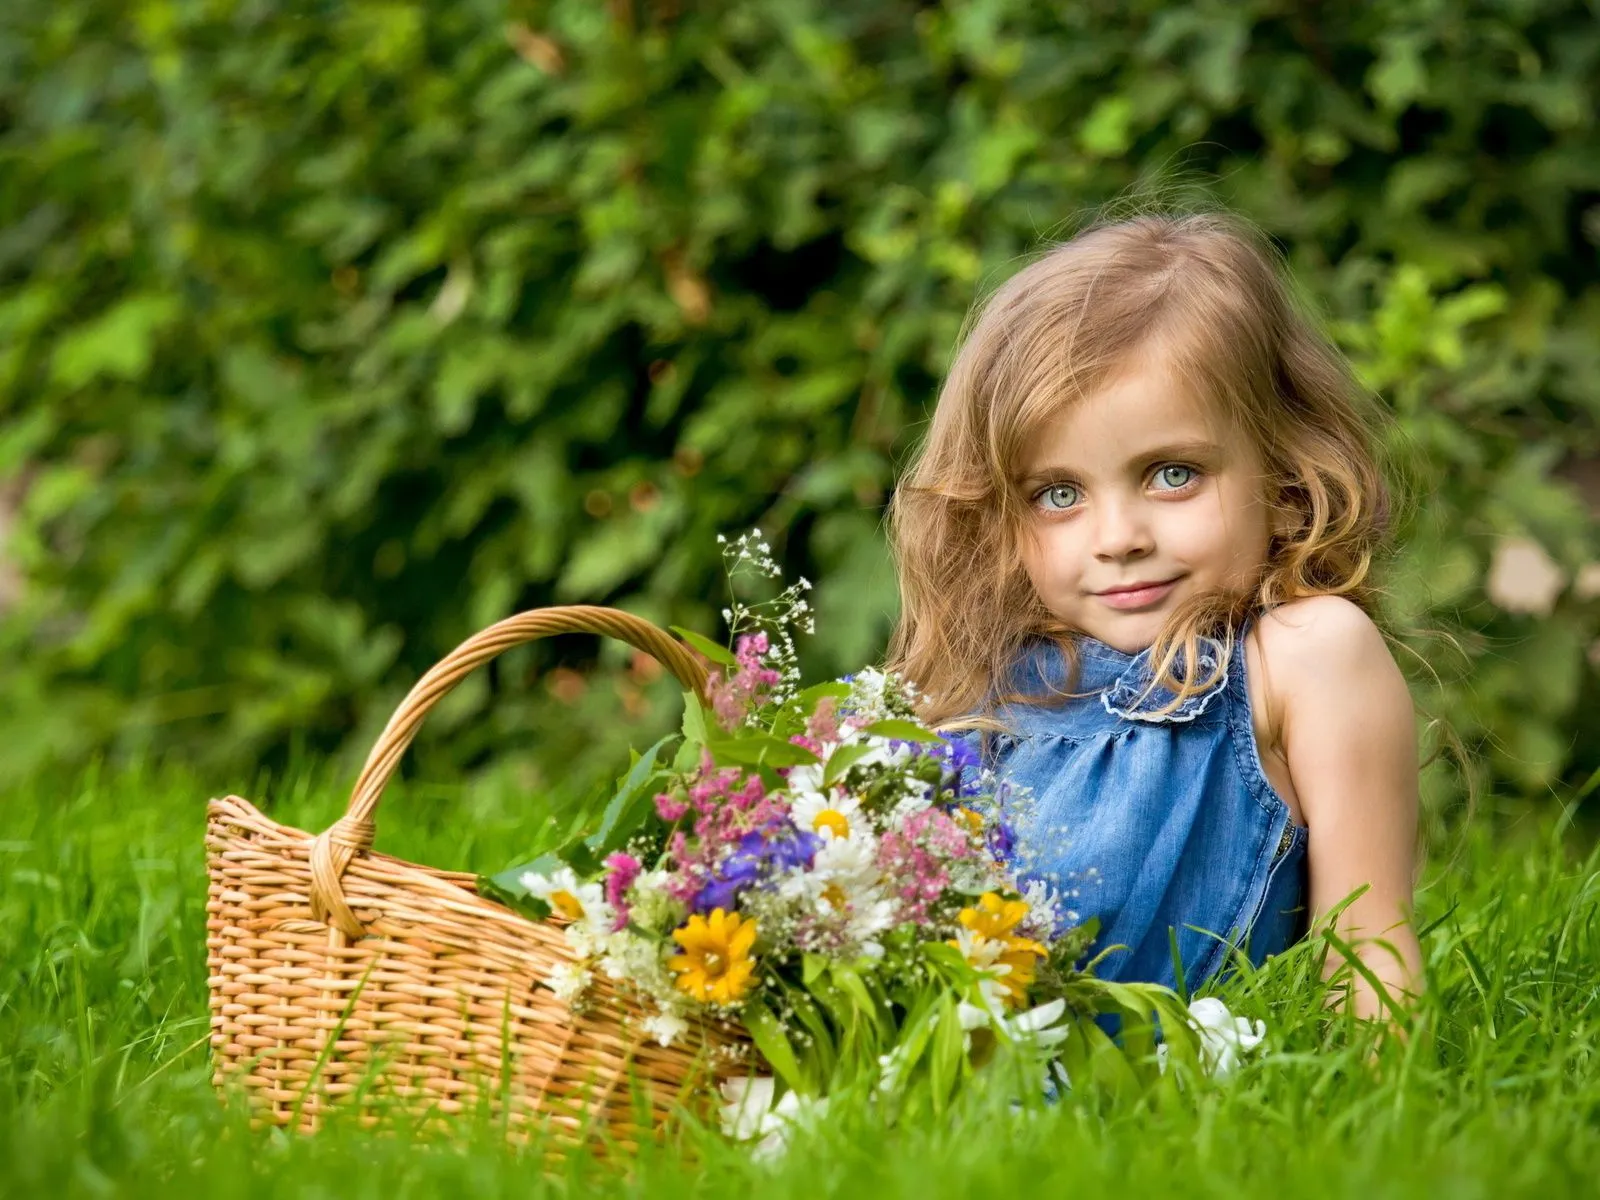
846,885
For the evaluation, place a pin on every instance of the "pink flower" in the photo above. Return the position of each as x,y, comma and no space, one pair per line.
749,687
622,870
915,857
824,724
938,831
670,808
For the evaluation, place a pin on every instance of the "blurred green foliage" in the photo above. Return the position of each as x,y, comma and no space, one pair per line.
332,333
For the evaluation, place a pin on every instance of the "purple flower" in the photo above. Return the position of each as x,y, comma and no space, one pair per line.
959,752
775,851
1002,840
793,848
960,755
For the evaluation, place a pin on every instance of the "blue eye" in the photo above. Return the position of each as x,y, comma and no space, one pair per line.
1057,497
1173,477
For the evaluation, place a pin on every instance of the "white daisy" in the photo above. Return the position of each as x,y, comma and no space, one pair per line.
844,881
806,777
871,913
851,862
583,904
980,952
830,814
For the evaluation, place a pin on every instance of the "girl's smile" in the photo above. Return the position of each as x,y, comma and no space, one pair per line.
1136,596
1136,502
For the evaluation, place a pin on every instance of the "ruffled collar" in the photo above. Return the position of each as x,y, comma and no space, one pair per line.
1123,680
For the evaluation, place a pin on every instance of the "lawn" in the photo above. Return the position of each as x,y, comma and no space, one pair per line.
104,1080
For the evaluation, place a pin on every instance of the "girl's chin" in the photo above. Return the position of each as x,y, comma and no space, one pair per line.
1130,636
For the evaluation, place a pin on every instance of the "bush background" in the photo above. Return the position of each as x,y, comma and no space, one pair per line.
332,333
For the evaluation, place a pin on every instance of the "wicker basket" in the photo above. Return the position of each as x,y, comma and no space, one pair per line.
341,977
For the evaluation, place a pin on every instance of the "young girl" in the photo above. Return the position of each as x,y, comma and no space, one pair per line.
1135,549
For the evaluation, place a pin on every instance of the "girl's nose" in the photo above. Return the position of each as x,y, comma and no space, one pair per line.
1121,532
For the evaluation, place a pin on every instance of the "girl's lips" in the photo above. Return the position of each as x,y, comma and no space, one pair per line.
1132,599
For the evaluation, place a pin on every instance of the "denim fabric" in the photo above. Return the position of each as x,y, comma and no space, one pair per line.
1153,822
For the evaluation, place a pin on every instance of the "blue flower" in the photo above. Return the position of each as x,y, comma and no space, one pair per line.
719,893
777,850
1002,840
958,752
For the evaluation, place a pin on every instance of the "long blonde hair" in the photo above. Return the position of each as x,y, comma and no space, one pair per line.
1211,293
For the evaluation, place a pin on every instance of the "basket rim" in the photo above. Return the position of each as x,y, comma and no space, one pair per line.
376,866
352,834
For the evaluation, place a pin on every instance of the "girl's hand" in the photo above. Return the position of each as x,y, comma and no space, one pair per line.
1348,735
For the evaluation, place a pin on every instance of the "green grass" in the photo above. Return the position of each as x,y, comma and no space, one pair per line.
104,1082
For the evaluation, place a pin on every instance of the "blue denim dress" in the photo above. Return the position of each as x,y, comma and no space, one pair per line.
1153,822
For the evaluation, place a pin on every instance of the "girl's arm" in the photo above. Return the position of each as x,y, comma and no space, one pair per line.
1348,734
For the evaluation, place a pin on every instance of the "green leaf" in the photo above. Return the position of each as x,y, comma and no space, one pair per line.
820,1052
118,344
808,699
580,856
1106,1064
1107,131
770,1037
760,750
784,724
846,979
944,955
812,967
694,720
916,1035
632,803
688,756
905,731
714,652
1177,963
949,1053
508,889
1399,76
842,759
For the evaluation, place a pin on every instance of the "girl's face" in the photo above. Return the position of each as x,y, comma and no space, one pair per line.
1139,498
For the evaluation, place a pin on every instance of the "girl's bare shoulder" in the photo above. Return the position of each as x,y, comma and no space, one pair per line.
1323,649
1332,687
1323,635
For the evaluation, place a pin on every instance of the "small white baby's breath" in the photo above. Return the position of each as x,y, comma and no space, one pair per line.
569,981
666,1027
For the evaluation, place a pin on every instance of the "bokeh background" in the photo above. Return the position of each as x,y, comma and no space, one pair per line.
331,333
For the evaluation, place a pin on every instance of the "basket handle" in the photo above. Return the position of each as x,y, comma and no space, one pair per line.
352,834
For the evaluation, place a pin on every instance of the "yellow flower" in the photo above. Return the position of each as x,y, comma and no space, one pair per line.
992,944
568,905
993,917
1022,956
715,966
831,819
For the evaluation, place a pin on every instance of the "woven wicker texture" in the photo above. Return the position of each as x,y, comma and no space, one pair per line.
343,976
